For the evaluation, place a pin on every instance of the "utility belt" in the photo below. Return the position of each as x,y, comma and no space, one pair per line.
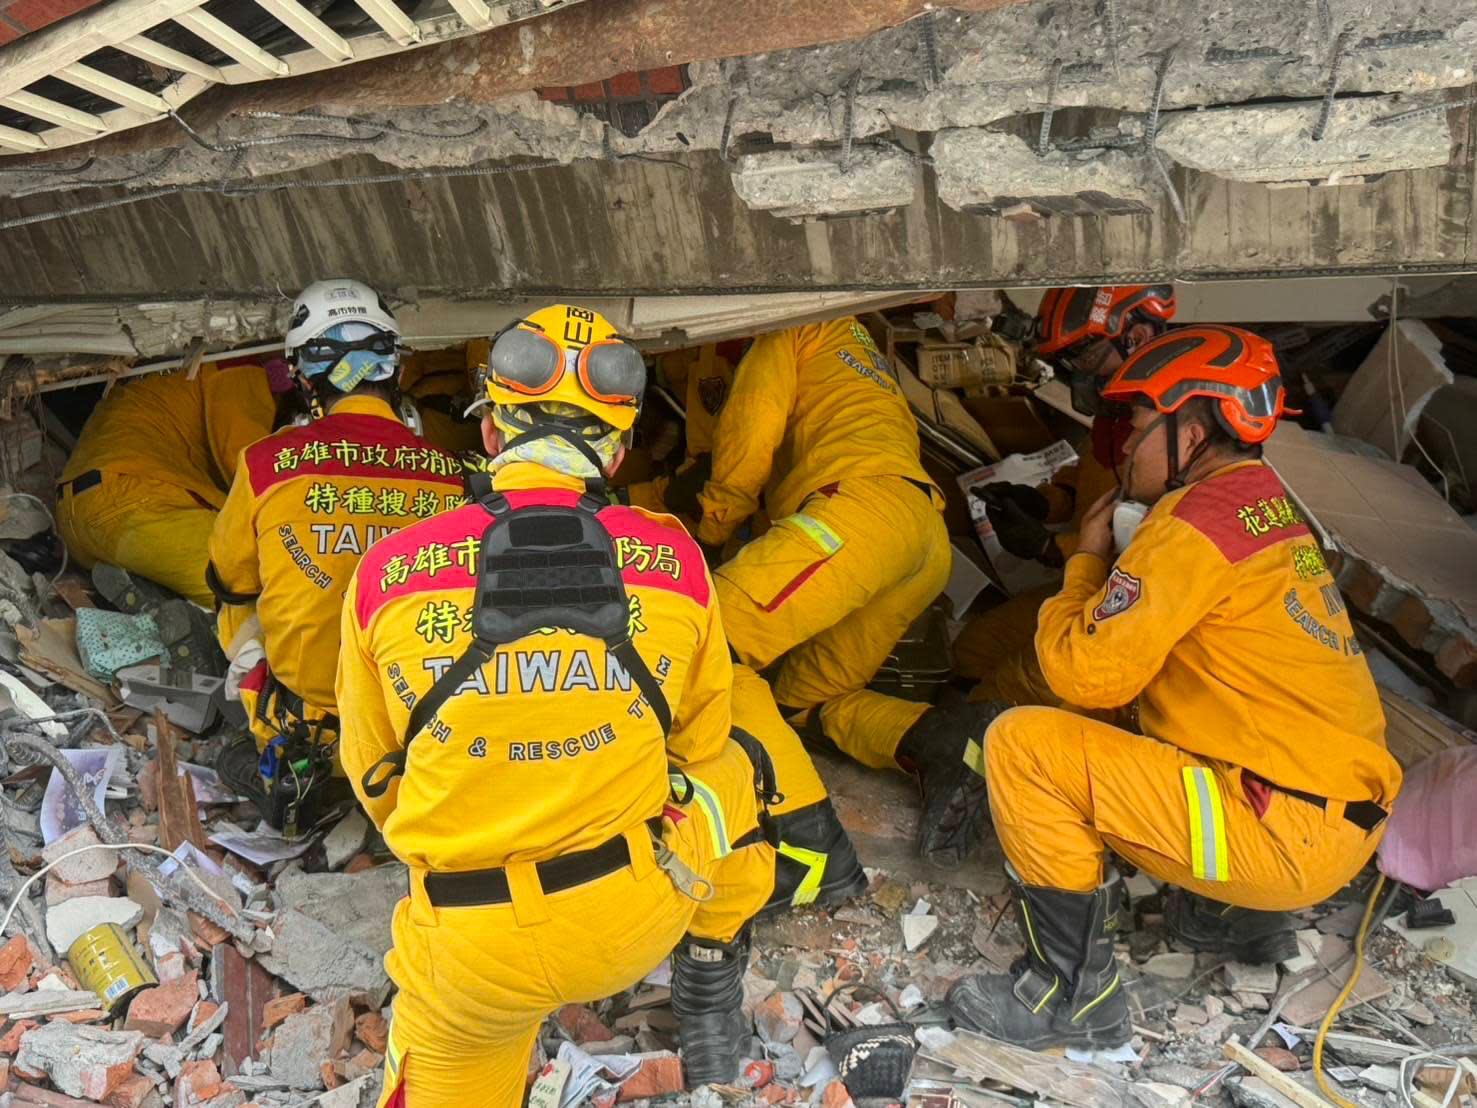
80,484
289,713
1363,814
297,763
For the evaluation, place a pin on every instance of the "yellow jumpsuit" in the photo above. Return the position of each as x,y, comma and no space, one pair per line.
997,647
703,378
548,750
306,504
1223,621
166,449
817,425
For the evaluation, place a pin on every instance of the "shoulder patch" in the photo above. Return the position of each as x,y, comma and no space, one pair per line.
1120,592
1241,512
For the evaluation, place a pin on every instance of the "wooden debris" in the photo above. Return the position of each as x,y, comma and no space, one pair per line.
179,817
51,649
1273,1076
1413,731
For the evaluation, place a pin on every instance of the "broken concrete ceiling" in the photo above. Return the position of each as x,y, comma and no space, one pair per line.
927,134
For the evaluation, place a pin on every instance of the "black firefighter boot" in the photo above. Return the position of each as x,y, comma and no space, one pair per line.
1066,990
707,999
814,862
239,767
1261,938
937,750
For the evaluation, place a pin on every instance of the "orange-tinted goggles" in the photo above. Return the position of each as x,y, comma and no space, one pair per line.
528,361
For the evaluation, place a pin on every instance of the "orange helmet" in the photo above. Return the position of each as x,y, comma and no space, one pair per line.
1069,316
1233,367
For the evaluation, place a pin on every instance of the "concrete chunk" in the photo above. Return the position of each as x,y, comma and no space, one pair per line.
1242,977
308,1039
94,865
989,171
66,922
344,841
323,963
800,184
82,1061
1274,142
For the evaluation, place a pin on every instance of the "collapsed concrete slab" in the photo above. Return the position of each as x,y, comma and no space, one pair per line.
801,184
990,172
1274,142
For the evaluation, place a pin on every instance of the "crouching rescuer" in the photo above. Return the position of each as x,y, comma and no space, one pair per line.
305,505
541,728
1259,782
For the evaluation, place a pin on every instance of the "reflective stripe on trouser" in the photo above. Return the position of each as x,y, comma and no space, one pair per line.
161,532
833,588
1064,787
476,983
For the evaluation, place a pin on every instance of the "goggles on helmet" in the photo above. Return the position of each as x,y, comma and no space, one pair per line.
527,361
324,349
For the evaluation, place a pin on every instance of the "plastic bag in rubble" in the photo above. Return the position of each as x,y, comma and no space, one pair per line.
1431,840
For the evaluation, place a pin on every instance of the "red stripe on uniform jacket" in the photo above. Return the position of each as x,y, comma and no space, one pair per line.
280,457
1241,512
652,554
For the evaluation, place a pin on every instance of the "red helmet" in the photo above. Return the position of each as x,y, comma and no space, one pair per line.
1231,366
1070,316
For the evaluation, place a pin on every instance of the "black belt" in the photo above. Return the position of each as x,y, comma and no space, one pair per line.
81,483
285,701
1364,814
481,887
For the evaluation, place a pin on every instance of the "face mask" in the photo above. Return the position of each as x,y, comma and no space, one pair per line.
1127,515
359,366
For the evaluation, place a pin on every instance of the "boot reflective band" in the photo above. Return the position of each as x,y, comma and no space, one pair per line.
1102,996
974,756
1208,854
707,800
815,863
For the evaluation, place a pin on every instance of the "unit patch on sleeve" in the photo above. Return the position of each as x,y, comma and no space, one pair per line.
1119,594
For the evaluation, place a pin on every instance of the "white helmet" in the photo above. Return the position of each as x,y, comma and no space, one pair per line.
325,304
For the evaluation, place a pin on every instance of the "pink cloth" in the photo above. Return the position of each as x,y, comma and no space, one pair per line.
1431,840
279,375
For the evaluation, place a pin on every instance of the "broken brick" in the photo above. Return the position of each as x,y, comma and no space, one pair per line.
11,1042
582,1024
202,1013
59,891
359,863
89,1015
372,1030
778,1017
164,1009
131,1092
1284,1059
657,1076
836,1096
275,1011
207,932
15,963
87,1062
331,1079
197,1082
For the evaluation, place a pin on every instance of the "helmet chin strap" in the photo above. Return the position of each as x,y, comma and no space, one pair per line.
550,430
1178,476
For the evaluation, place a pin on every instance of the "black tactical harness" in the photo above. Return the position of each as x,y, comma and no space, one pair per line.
539,566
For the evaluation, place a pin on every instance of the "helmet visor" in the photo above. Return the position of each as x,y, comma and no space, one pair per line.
612,372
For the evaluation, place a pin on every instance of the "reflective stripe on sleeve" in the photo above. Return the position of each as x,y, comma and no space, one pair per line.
706,799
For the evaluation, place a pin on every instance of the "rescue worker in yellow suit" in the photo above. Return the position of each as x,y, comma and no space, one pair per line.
816,422
1084,333
815,862
1260,782
306,504
541,729
151,470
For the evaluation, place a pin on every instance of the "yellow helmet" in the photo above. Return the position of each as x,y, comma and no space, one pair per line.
569,355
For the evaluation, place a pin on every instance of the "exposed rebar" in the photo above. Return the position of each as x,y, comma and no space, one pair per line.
1043,137
933,74
1161,72
848,119
1325,115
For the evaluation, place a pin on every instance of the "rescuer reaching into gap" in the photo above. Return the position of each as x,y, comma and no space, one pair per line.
306,503
540,725
1084,333
1260,779
815,862
817,424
